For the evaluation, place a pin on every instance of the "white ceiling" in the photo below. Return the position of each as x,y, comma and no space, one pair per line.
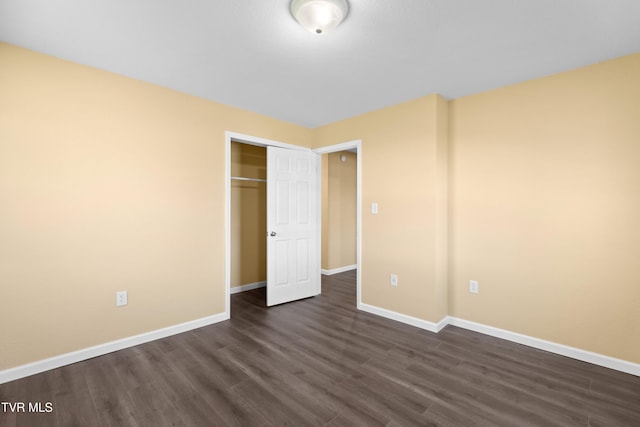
252,54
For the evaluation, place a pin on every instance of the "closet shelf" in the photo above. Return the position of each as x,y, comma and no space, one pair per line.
242,178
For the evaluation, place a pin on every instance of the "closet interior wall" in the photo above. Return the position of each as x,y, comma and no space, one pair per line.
248,215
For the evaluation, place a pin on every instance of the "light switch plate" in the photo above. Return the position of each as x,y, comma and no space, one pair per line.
393,280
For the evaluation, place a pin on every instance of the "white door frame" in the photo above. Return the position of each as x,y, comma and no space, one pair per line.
251,140
263,142
350,145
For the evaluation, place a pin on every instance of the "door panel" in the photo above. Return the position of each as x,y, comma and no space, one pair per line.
293,268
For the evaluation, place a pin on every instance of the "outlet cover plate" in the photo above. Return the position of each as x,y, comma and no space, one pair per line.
121,298
473,286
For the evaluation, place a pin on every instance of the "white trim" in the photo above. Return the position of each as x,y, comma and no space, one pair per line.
540,344
350,145
561,349
359,225
227,223
248,287
318,189
102,349
339,269
343,146
403,318
261,142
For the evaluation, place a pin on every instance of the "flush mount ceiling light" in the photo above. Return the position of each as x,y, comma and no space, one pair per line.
319,16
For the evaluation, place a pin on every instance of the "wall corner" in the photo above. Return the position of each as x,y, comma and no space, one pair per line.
442,208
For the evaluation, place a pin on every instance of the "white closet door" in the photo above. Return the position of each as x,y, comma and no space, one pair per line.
293,192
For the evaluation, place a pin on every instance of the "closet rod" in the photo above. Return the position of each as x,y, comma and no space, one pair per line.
242,178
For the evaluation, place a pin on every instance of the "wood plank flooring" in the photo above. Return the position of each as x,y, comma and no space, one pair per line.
320,362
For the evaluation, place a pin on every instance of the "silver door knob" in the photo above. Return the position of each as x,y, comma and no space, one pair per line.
273,233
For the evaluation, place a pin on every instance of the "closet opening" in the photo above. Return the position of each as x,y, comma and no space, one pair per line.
248,178
249,205
273,221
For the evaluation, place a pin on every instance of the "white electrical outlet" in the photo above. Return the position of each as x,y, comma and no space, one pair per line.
394,280
473,286
121,298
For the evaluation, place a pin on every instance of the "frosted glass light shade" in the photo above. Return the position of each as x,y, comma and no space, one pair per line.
319,16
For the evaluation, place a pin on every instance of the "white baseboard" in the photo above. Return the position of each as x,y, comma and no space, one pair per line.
552,347
339,270
399,317
101,349
560,349
250,286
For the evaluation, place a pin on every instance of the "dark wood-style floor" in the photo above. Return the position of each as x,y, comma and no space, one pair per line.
320,362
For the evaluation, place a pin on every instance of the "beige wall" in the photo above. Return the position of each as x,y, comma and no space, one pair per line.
400,161
339,232
545,196
248,215
107,184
